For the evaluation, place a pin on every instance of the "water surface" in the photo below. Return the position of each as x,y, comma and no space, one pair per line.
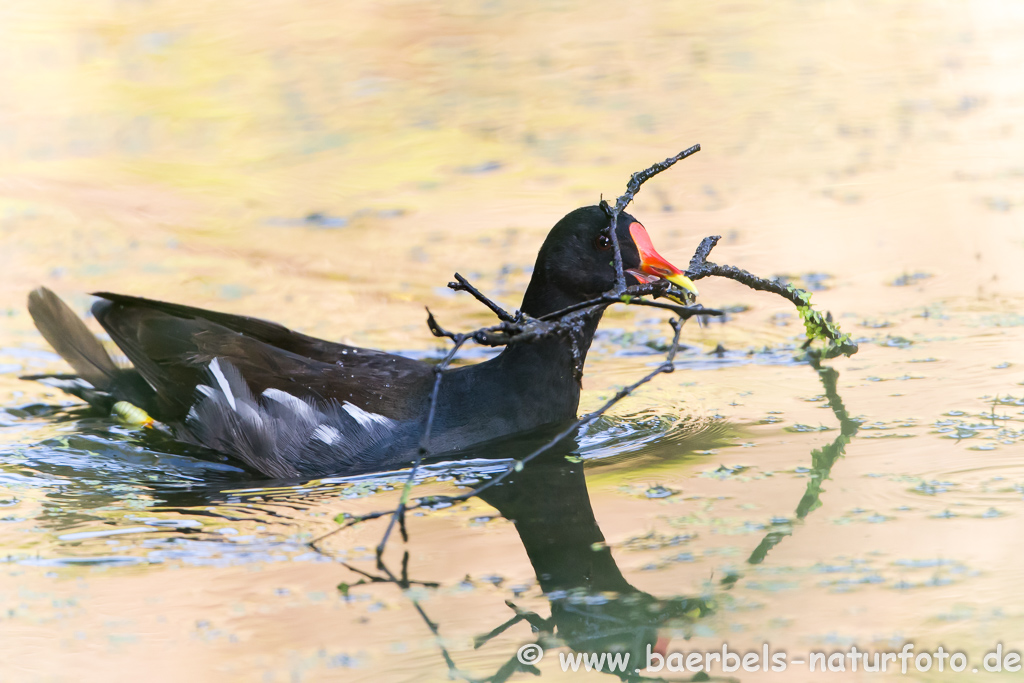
331,169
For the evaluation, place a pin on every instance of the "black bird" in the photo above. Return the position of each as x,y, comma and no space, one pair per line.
289,405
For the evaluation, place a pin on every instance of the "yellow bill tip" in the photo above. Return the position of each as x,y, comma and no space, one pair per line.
684,282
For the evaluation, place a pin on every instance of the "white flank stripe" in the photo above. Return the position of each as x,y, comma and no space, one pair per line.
297,405
218,375
365,418
327,434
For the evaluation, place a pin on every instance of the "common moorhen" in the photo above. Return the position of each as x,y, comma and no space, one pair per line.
289,405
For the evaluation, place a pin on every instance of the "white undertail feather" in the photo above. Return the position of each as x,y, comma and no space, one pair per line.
326,433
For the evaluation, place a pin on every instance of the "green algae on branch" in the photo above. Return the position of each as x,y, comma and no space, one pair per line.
818,326
821,327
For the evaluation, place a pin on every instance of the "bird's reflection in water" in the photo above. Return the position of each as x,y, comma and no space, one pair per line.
594,609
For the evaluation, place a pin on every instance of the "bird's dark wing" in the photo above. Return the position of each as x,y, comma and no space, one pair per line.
268,332
172,347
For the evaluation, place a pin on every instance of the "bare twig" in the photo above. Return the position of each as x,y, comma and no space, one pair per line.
701,255
462,285
641,177
424,448
684,312
525,328
620,274
632,187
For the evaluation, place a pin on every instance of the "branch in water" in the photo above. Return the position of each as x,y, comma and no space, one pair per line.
818,326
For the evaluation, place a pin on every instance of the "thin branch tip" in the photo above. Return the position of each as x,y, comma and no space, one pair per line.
462,285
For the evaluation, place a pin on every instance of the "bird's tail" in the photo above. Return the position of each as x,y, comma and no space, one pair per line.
69,337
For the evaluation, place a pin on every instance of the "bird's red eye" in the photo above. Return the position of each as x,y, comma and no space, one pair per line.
603,242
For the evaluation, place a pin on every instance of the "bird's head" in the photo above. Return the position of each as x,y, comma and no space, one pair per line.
577,261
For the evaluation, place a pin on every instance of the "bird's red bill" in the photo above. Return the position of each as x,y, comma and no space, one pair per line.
653,265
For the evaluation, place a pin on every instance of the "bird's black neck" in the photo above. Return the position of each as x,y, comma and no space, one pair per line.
563,350
542,298
531,383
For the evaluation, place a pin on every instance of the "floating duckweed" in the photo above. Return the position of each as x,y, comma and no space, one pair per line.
659,491
897,342
1003,320
908,279
435,502
930,488
878,425
802,428
724,471
901,378
655,541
